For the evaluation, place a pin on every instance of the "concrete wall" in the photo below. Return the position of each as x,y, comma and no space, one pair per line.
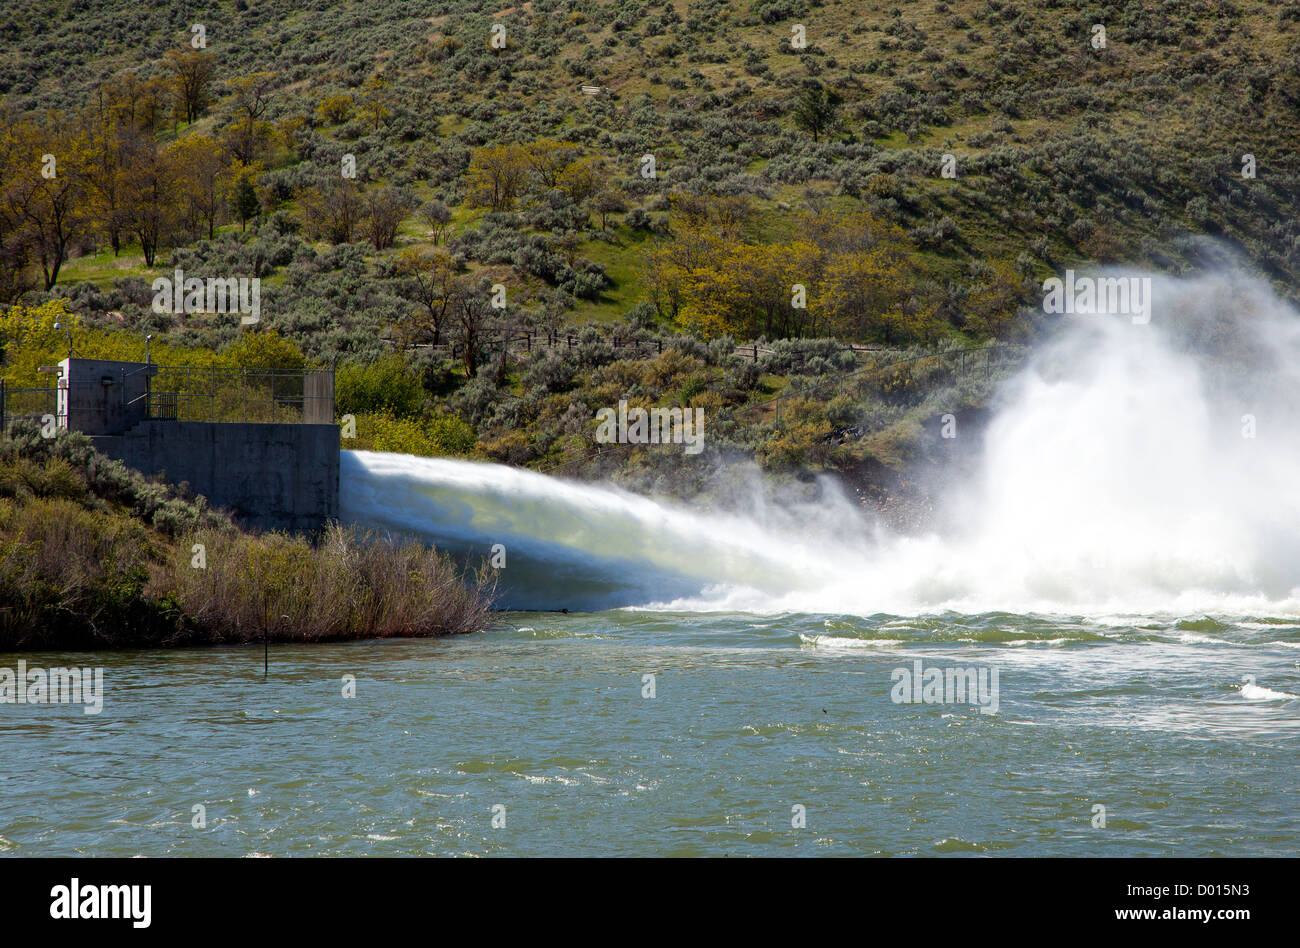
273,477
100,396
270,476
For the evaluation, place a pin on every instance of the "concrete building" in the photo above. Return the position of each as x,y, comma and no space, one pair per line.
260,443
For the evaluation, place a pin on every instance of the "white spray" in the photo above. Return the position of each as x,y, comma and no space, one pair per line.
1131,467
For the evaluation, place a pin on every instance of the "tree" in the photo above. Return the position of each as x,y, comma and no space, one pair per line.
111,127
816,109
496,176
723,215
386,385
431,282
48,194
437,215
191,75
994,300
374,102
675,268
581,179
385,208
249,96
293,132
243,196
150,192
265,350
203,181
334,210
335,108
765,276
472,311
607,201
548,159
155,94
15,245
118,101
851,269
567,244
28,338
706,230
865,294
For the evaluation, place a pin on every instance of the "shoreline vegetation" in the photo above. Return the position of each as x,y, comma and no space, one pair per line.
93,556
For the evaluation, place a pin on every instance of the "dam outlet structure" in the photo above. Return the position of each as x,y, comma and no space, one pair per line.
260,443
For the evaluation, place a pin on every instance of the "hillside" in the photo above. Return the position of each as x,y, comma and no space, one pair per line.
917,168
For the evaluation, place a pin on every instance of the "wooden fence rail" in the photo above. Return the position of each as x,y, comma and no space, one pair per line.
530,340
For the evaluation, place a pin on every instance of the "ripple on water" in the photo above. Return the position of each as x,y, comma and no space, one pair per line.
545,715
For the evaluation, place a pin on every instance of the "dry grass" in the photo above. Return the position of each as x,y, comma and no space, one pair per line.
347,586
73,578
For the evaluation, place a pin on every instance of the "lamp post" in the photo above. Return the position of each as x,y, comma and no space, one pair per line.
67,329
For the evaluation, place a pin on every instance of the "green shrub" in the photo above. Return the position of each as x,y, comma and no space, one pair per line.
265,350
439,436
385,386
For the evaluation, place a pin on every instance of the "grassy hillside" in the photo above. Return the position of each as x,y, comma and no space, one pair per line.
919,167
1062,150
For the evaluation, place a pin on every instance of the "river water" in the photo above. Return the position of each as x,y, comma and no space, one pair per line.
544,726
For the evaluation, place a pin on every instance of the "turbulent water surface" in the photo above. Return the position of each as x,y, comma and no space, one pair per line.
1126,560
545,716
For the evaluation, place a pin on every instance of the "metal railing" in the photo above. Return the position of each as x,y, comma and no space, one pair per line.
33,403
185,393
270,396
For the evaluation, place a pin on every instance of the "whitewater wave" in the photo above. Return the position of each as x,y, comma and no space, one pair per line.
1253,692
847,642
1128,470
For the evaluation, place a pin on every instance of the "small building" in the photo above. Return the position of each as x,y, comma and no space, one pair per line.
261,443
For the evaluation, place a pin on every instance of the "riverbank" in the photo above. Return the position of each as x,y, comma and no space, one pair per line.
92,556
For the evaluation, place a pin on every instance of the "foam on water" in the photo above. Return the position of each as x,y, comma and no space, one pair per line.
1253,692
1115,480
